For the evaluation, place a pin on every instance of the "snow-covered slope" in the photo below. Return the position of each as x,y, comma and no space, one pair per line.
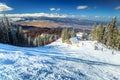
59,61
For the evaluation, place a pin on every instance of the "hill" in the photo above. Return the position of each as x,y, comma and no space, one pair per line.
59,61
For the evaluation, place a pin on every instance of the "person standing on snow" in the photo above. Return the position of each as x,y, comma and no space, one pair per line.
82,44
112,52
102,49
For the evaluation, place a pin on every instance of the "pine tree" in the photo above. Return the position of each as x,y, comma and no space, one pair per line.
72,33
106,30
29,41
12,35
36,42
93,34
84,35
110,35
5,21
115,33
118,41
100,32
25,37
6,29
40,41
20,36
64,35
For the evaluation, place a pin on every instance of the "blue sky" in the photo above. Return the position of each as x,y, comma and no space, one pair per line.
98,8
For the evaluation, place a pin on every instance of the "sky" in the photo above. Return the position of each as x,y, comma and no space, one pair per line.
71,8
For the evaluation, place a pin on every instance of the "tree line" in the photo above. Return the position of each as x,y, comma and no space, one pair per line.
15,36
108,35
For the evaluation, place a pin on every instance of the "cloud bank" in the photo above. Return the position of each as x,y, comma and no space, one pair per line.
35,15
4,7
82,7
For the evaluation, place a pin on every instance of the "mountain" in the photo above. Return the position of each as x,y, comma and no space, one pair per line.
59,61
52,22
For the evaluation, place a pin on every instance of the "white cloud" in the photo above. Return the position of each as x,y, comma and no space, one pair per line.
4,7
58,9
35,15
97,16
82,7
117,8
54,9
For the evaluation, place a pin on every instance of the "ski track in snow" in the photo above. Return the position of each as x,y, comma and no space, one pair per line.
57,62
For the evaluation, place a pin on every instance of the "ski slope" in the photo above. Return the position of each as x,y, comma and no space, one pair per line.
59,61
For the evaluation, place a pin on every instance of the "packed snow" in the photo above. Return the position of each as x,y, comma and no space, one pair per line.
60,61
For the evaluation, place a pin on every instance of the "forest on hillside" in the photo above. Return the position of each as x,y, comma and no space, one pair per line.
108,35
14,35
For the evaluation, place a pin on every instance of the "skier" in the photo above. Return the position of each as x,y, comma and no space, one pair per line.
102,49
95,47
113,52
82,44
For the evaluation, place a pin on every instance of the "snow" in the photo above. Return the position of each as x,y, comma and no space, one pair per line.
79,34
74,40
59,61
